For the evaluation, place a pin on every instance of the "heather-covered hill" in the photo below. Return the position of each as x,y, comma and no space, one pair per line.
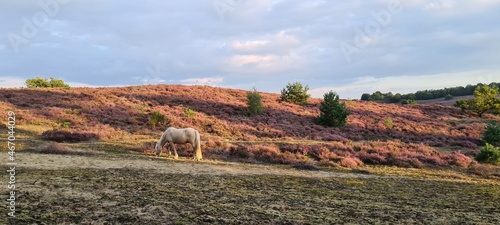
411,135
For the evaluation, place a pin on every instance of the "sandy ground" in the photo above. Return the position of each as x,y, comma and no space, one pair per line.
141,189
166,165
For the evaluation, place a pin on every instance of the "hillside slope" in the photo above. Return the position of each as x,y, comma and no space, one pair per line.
412,135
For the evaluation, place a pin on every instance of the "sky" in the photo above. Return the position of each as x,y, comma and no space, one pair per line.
350,47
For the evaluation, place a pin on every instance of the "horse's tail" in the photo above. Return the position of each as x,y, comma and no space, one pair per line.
197,144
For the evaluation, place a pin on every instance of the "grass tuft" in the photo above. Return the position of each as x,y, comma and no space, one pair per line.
61,149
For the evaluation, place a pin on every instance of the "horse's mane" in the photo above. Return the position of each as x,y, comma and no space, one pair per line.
163,139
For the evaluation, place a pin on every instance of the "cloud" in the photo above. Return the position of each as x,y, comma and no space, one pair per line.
249,46
11,82
259,43
454,7
76,84
264,63
210,81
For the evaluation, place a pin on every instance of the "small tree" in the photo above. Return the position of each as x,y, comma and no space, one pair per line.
492,134
396,98
156,119
377,96
485,98
332,113
448,97
254,102
39,82
57,83
497,106
464,104
295,93
489,154
388,97
365,97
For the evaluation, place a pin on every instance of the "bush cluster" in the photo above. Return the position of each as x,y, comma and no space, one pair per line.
68,136
485,99
39,82
332,113
113,113
409,102
489,154
189,113
254,103
492,134
295,93
447,93
156,118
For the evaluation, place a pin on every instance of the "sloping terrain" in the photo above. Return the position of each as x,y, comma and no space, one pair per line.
132,189
411,136
120,181
442,101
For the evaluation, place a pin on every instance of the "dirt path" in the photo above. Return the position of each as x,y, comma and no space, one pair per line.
138,189
164,165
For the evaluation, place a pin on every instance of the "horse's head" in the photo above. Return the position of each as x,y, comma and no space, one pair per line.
157,150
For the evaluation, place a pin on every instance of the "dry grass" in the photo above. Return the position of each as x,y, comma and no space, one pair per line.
128,196
61,149
129,186
285,133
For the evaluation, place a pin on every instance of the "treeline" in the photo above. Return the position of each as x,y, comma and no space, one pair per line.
447,93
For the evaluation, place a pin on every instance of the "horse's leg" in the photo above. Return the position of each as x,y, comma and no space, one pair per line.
194,151
168,148
157,151
175,150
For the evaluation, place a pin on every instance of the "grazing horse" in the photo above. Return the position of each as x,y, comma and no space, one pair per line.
174,136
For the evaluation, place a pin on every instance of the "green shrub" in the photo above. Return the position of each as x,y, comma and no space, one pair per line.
492,134
377,96
448,97
57,83
39,82
156,119
366,97
295,93
396,98
489,154
409,102
464,104
484,100
254,103
68,136
189,112
332,113
388,123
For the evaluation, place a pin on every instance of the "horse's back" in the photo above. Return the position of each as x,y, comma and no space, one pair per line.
190,133
181,135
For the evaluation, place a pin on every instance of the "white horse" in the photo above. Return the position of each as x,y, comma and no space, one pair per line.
174,136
